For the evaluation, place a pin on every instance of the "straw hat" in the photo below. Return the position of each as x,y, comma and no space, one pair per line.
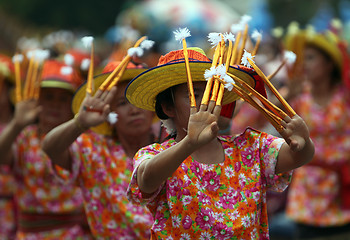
131,71
56,74
171,71
327,41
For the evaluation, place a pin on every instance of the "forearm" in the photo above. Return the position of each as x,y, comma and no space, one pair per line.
7,138
57,142
153,172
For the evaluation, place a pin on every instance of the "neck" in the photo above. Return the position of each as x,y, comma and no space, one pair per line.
132,144
322,91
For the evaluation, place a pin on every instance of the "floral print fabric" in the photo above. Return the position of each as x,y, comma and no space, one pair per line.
216,201
103,171
314,193
38,191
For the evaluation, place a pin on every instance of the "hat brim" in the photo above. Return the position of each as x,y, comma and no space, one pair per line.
104,128
57,84
144,88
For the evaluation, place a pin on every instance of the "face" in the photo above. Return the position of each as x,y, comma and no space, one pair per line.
56,107
181,111
132,121
316,65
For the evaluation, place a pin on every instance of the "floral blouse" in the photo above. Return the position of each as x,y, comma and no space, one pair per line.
103,172
314,193
7,210
216,201
38,191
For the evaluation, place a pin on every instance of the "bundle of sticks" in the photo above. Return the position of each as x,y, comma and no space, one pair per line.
217,79
31,87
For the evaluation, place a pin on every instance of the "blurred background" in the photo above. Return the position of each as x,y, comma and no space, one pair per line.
24,23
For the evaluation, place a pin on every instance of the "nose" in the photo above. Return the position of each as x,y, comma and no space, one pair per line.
134,110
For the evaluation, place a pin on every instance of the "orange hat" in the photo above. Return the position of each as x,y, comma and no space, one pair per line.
7,68
56,74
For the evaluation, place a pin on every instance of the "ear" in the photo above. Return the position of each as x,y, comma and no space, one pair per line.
168,109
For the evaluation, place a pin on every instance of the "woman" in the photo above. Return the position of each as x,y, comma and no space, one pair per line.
199,185
102,164
316,201
7,208
46,208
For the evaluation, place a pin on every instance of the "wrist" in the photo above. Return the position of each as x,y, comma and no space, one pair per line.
78,124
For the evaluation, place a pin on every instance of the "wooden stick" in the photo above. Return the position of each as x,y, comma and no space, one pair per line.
189,77
265,101
277,70
234,51
222,87
244,39
117,78
91,70
206,94
289,109
217,83
125,60
18,81
33,80
28,79
256,47
38,82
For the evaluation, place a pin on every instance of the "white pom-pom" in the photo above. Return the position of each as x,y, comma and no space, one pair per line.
85,64
68,59
256,35
181,34
235,28
17,58
245,57
66,70
30,54
221,70
169,125
87,41
214,38
147,44
228,82
209,73
135,51
112,118
245,19
290,57
229,37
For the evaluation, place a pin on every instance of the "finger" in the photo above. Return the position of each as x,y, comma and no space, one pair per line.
211,106
217,110
98,93
110,94
193,110
284,124
203,107
106,111
287,119
214,128
104,95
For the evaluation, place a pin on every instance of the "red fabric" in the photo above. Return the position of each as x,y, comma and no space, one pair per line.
346,64
345,187
178,55
114,64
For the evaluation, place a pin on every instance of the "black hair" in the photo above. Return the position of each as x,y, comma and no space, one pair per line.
165,97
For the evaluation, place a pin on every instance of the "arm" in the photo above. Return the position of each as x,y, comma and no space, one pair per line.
26,113
56,143
299,148
202,128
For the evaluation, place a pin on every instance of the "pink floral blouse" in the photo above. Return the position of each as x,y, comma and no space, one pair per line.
314,194
216,201
38,192
103,171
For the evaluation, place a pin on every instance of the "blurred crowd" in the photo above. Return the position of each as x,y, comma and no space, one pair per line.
43,84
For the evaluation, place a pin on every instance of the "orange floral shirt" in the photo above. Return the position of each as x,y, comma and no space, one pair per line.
103,171
38,191
314,192
216,201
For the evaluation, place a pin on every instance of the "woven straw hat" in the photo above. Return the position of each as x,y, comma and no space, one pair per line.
171,71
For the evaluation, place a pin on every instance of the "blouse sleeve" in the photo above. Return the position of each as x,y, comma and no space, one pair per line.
270,148
134,193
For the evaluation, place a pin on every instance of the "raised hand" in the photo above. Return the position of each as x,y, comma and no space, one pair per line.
296,132
95,109
26,112
202,125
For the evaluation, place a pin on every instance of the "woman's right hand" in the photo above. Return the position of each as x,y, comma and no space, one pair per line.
203,125
95,109
26,112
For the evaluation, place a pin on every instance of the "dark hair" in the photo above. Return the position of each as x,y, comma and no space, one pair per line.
165,97
336,72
